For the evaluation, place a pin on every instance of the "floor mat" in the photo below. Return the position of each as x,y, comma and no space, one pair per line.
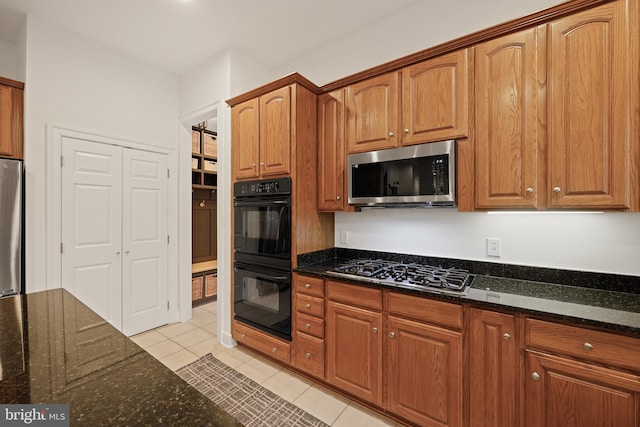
243,398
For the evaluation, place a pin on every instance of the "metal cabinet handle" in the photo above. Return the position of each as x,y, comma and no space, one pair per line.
307,355
308,305
274,349
392,334
308,286
375,330
261,163
308,326
507,337
557,189
126,252
535,376
587,346
337,197
391,134
253,165
117,252
529,190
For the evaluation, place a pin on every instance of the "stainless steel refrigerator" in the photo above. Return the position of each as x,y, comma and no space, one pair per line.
10,227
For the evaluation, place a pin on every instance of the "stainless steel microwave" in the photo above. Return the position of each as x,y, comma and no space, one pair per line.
417,175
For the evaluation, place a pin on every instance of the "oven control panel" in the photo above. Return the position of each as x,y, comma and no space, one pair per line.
266,186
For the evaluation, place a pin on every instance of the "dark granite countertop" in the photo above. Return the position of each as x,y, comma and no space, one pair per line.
605,301
54,350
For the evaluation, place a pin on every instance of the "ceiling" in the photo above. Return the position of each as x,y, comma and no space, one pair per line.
177,35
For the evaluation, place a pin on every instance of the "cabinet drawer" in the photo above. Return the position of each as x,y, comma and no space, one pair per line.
603,347
360,296
310,305
262,342
425,309
309,355
310,285
310,325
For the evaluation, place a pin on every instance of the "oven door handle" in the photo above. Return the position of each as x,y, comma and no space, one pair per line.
261,203
266,276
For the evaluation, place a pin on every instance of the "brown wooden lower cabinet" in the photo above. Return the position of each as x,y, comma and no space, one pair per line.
424,373
562,392
262,342
493,369
405,355
354,350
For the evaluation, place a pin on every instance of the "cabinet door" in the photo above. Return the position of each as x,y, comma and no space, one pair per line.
245,132
204,230
509,71
588,99
331,152
11,122
275,132
424,373
493,364
372,108
561,392
354,351
436,99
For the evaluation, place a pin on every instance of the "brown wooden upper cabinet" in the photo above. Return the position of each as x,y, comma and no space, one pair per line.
435,102
332,154
509,73
435,97
587,138
372,114
589,108
11,121
261,134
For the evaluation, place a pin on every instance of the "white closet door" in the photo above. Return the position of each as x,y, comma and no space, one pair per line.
92,225
145,241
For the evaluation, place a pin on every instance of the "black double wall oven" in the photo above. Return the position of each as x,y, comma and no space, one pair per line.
262,255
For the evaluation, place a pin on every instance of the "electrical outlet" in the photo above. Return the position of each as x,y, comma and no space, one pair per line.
344,237
494,246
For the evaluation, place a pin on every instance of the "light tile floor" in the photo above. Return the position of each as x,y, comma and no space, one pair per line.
179,344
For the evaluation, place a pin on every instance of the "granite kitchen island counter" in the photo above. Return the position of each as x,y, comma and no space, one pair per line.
54,350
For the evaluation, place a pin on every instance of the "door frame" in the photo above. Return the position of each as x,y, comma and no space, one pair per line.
53,207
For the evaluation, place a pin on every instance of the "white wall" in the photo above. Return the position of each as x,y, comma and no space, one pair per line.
203,92
424,25
74,82
9,66
605,242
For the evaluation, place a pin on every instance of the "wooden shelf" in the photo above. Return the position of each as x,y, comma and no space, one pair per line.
203,148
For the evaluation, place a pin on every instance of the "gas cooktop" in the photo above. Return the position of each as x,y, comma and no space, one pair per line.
412,275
